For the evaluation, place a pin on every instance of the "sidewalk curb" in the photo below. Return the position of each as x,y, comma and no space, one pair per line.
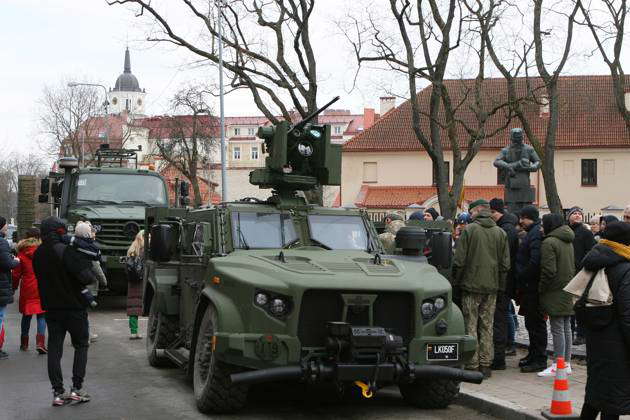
495,407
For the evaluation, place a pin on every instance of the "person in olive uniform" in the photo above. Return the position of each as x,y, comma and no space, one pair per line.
557,268
481,264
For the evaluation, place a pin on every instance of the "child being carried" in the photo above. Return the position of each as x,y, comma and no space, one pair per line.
83,242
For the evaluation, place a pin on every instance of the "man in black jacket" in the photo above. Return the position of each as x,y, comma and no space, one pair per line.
7,263
507,222
527,279
61,275
584,241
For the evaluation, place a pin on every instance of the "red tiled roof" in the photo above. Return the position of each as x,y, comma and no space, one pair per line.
162,126
588,116
255,120
400,197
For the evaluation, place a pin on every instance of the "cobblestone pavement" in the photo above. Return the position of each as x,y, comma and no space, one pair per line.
124,386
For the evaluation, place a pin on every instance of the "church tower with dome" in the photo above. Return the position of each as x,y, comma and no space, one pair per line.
126,96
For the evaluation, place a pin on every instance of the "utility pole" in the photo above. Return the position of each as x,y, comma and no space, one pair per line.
224,192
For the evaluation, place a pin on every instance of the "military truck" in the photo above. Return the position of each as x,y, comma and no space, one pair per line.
112,197
251,292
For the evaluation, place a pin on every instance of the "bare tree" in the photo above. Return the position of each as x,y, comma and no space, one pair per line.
186,141
429,35
11,166
66,119
606,30
268,48
543,90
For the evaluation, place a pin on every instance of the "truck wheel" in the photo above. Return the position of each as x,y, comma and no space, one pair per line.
436,393
214,391
161,332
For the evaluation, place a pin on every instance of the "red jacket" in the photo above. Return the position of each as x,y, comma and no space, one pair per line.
24,277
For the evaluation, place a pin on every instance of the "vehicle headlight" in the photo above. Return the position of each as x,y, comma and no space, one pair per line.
440,303
278,306
261,299
427,310
432,306
275,304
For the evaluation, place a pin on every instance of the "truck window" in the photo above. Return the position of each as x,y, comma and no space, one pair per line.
339,232
121,189
262,230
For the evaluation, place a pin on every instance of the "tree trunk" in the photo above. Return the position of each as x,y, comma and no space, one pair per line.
194,181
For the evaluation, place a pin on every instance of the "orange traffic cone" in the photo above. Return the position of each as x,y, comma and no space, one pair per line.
560,402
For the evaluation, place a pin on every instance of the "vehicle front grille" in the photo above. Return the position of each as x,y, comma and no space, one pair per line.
116,232
393,311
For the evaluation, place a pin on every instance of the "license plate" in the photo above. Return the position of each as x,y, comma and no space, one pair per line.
442,351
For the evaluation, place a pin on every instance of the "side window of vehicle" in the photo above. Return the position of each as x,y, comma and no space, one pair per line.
198,240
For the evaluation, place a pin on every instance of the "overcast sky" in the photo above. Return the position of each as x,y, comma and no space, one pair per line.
43,41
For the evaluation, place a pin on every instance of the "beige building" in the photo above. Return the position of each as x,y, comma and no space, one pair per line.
384,168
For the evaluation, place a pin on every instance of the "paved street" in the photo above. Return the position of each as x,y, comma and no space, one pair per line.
124,386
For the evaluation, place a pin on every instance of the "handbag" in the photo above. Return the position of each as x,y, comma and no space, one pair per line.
135,268
594,317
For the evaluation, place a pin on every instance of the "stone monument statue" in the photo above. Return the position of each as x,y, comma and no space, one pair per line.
518,160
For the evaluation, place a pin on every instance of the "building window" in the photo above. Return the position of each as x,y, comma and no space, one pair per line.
337,129
237,131
254,152
589,171
251,131
501,176
369,172
236,153
448,173
127,104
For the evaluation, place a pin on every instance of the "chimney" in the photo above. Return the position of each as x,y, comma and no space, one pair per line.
387,104
368,118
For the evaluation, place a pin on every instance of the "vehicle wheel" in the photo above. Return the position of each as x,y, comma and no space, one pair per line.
214,391
161,331
436,393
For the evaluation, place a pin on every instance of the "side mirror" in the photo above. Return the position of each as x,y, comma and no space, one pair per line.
42,198
441,249
184,189
44,186
163,242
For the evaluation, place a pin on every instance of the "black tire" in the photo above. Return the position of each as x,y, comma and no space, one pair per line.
436,393
162,331
214,392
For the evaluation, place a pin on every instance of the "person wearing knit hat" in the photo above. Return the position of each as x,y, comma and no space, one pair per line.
7,263
431,214
583,242
608,348
481,264
417,215
527,280
498,205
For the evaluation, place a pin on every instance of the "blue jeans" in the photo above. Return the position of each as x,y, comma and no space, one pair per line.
512,321
26,324
2,310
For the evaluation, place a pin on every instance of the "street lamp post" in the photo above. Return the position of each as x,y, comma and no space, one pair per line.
105,105
222,108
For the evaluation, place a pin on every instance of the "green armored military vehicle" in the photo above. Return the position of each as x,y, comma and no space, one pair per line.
112,197
250,292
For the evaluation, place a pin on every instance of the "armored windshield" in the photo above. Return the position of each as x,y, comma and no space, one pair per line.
339,232
100,188
262,230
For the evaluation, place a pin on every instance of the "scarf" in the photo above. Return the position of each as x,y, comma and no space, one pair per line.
619,249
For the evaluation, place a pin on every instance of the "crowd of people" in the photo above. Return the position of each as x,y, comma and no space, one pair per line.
57,275
503,258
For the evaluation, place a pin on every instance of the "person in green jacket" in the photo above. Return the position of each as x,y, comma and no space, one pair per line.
481,264
557,268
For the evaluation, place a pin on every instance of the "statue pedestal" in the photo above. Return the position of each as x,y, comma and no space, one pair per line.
517,198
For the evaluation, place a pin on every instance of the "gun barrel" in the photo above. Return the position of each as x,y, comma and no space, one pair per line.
313,114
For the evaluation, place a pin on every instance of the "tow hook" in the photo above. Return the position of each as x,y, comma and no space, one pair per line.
366,390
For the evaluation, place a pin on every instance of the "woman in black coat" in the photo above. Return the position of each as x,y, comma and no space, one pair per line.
608,349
